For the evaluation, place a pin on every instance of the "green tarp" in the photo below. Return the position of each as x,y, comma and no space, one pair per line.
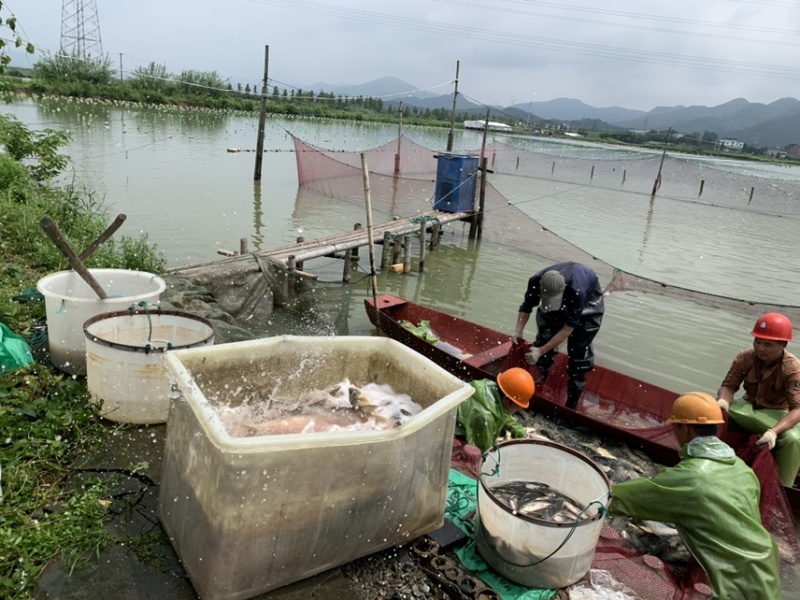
462,501
14,351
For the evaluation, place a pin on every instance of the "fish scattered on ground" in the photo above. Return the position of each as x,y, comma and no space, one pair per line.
539,501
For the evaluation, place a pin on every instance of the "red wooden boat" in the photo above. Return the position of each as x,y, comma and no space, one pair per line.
612,404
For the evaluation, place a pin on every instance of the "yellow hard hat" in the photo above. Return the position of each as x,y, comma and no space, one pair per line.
518,385
696,408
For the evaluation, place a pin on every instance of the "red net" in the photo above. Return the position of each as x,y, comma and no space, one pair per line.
403,172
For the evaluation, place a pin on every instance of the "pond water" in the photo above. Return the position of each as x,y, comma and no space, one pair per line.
171,173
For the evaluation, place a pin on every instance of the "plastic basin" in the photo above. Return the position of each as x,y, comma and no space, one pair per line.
125,373
70,302
535,552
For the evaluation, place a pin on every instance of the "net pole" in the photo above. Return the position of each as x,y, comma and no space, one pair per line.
370,235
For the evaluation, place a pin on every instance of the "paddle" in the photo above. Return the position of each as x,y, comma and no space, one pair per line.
103,236
53,232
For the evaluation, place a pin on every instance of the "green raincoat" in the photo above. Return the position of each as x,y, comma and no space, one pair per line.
482,418
711,497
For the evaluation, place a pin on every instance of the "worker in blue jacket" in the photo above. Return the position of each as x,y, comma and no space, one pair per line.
570,309
712,498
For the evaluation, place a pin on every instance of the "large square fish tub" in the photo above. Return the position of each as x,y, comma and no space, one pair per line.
250,514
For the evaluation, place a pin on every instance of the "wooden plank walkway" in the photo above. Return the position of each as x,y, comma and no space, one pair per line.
338,243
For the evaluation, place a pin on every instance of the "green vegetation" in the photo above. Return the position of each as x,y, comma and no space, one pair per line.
45,417
156,85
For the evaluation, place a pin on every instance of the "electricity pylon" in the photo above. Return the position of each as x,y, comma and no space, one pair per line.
80,29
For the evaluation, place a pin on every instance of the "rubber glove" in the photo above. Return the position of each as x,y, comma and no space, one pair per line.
533,355
769,438
517,337
723,404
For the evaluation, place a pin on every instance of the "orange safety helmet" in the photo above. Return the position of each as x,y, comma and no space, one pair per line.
773,326
696,408
518,385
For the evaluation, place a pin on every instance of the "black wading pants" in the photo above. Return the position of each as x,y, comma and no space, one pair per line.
579,344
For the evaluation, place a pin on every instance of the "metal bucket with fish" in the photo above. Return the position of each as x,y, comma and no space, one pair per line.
539,516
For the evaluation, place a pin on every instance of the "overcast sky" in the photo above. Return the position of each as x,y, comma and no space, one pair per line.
632,53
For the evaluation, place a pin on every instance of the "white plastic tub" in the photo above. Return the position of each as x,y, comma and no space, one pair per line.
124,360
530,551
248,515
70,301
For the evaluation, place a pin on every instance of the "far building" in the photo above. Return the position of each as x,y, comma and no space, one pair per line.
731,145
793,150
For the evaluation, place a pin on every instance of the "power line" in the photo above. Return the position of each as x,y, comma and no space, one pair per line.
559,45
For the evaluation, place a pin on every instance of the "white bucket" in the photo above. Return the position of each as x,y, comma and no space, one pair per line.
530,551
124,360
70,301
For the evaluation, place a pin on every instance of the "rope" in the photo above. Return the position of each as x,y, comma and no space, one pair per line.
145,306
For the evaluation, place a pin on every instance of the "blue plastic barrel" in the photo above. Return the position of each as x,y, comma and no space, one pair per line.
456,175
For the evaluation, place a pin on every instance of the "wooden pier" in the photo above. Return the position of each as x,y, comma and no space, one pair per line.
394,236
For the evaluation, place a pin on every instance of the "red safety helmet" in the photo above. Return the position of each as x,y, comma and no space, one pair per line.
773,326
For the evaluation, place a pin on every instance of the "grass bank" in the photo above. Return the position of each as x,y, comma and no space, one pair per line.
46,419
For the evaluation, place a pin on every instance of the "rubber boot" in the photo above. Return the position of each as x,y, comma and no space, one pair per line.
574,392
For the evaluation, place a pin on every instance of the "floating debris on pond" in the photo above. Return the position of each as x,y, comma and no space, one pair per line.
342,407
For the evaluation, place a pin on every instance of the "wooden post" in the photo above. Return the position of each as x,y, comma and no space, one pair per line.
752,189
399,137
553,168
291,269
437,228
386,252
406,253
348,257
481,205
354,254
300,240
262,117
453,114
657,182
474,223
371,240
243,246
396,248
702,185
591,175
624,175
422,233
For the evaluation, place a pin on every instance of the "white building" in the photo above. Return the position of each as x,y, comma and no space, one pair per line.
493,126
731,145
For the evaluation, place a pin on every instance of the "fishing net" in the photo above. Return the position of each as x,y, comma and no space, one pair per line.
402,182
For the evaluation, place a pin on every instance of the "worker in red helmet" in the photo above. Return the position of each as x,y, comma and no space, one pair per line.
770,376
489,412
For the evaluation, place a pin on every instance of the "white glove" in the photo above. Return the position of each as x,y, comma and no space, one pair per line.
533,355
769,438
723,404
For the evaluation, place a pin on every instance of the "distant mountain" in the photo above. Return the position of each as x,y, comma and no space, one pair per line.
377,88
567,109
776,124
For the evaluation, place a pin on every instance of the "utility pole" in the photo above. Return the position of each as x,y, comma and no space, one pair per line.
453,116
262,117
120,66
